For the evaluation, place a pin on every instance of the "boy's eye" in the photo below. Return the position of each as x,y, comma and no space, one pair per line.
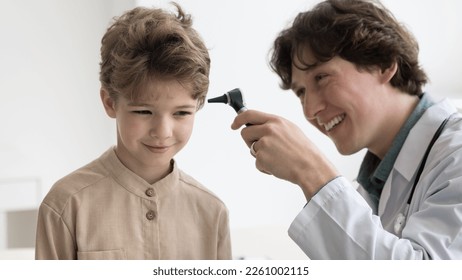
142,112
183,113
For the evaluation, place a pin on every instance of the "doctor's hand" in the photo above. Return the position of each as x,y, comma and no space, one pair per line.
283,150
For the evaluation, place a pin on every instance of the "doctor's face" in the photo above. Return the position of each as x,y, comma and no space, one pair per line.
152,129
343,102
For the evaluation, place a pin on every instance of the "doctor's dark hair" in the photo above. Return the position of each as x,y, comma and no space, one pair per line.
145,44
364,33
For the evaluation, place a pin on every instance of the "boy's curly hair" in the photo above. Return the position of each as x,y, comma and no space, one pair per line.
145,43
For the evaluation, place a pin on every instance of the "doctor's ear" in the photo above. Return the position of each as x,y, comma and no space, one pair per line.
388,73
108,103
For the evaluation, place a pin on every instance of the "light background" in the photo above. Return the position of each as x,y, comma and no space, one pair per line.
52,121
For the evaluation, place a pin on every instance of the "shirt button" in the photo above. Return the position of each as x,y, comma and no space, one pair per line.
150,215
150,192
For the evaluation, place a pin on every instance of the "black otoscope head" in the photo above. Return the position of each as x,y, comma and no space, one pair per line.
233,98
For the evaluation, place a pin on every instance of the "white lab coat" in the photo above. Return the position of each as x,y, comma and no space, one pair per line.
338,223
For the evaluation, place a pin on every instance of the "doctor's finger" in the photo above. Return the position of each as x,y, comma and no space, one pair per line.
262,165
250,117
253,133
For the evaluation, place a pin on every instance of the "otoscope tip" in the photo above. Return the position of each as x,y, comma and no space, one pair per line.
233,98
219,99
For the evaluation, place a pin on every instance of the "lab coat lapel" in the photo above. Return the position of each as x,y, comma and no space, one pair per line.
411,154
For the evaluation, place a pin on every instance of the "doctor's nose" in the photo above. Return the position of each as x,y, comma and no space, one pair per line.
312,103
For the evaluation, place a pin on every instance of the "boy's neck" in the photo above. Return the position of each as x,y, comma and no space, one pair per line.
152,177
151,174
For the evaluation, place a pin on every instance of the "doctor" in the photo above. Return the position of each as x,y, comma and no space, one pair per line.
355,70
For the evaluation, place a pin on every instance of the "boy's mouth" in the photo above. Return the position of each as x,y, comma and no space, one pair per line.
157,148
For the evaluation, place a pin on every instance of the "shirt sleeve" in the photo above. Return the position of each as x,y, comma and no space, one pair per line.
337,223
54,241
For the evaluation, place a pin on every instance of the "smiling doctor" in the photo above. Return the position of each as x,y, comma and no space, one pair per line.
355,70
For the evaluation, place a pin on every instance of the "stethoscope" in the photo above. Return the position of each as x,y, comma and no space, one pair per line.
401,218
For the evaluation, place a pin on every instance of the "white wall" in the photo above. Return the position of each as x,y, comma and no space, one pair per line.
52,121
50,113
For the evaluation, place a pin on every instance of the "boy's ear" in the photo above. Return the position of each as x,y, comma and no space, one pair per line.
108,103
388,73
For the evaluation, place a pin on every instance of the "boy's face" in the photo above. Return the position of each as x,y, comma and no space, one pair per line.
151,130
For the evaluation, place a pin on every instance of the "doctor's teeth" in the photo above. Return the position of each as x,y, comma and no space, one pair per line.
338,119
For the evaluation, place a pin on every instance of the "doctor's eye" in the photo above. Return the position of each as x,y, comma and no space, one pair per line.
300,94
319,77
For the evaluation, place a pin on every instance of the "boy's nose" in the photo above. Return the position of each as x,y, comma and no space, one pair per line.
161,129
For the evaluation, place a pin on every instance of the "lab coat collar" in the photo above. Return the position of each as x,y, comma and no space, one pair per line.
414,147
420,136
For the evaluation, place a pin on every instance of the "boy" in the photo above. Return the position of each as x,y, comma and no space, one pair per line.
133,202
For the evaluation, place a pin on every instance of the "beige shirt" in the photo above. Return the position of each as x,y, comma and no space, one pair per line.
105,211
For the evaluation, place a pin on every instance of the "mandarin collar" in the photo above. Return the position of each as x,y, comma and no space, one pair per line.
134,183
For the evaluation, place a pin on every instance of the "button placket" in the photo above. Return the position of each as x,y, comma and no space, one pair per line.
150,213
151,209
150,227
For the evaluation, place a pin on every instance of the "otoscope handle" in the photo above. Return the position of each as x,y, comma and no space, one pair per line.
243,109
233,98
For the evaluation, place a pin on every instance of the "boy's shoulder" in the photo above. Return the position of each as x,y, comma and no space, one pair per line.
73,183
198,187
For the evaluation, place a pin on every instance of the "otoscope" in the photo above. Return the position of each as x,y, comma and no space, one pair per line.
233,98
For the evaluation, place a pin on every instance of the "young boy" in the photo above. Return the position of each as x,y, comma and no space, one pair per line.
133,202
